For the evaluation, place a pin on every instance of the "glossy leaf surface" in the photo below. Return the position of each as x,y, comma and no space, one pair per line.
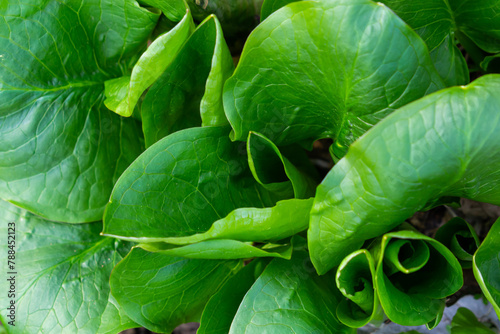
161,292
438,22
486,266
62,149
285,219
61,276
221,308
414,275
355,279
275,171
181,185
438,31
222,249
324,69
465,322
289,297
445,144
174,10
459,236
122,94
189,92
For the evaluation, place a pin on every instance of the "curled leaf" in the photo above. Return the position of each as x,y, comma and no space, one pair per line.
275,171
356,281
414,275
122,94
445,144
459,236
188,93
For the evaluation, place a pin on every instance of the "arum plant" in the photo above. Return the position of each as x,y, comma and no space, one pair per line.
156,175
406,273
461,238
355,279
414,275
385,179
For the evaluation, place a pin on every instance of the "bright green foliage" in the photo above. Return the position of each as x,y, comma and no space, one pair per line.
355,279
289,297
161,292
285,219
62,273
210,176
410,271
122,94
62,149
174,10
189,92
438,31
402,272
221,249
465,322
276,172
445,144
438,22
486,265
460,237
221,308
181,185
324,69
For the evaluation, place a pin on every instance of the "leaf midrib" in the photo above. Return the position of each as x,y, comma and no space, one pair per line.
56,89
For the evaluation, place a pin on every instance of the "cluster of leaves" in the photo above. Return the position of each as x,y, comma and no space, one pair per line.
131,121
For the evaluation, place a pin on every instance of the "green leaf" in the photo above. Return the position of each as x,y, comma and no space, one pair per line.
290,298
450,63
275,172
221,308
161,292
62,149
465,322
174,10
414,275
122,94
181,185
486,266
355,280
270,6
61,276
442,145
460,237
439,21
491,64
324,69
189,92
222,249
287,218
475,20
438,32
